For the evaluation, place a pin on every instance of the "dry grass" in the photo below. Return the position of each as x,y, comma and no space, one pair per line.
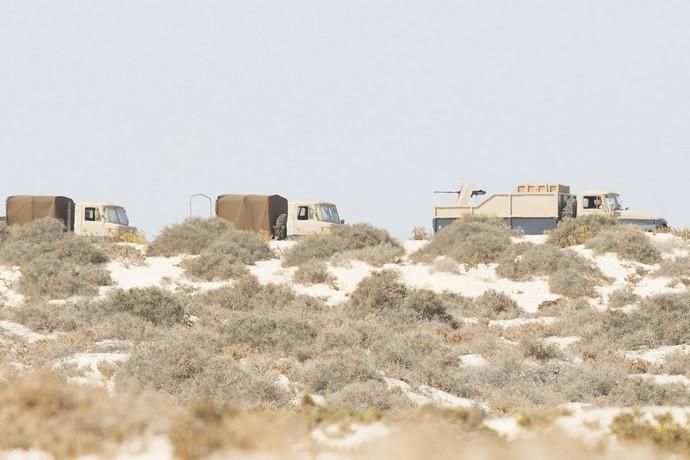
675,268
579,230
664,433
572,283
360,241
469,240
628,242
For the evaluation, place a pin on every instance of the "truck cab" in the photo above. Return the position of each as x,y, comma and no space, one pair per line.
308,218
101,220
610,204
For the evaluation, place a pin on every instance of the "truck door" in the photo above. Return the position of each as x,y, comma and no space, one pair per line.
91,221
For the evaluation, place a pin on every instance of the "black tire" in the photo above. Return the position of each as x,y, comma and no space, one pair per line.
280,228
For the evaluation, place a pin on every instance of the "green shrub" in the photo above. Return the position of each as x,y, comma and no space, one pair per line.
190,237
360,240
579,230
628,242
469,240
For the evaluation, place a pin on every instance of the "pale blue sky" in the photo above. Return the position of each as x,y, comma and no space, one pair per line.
370,104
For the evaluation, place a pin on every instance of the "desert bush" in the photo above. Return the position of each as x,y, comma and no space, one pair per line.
151,304
336,369
371,394
377,256
360,240
572,283
469,240
213,267
665,433
677,267
383,294
380,291
535,348
622,297
446,265
579,230
125,253
190,237
4,232
41,411
314,272
493,304
50,277
636,392
210,430
544,260
628,242
677,363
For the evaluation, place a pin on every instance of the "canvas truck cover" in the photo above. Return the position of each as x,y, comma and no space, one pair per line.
252,212
24,209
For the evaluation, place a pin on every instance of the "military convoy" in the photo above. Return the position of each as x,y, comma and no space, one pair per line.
93,219
535,208
271,216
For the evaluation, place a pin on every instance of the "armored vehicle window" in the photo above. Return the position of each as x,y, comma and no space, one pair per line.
591,202
90,214
303,213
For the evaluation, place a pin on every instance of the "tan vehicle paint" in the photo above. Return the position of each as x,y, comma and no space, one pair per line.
312,217
538,207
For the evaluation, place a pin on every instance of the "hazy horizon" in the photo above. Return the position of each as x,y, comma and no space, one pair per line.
371,105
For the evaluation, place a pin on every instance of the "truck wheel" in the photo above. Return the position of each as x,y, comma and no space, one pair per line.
280,228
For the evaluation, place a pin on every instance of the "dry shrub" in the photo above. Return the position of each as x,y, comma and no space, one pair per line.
151,304
359,241
446,265
377,256
493,304
677,267
382,293
533,347
130,237
664,433
682,233
208,430
676,363
636,392
190,237
572,283
628,242
227,255
544,260
371,394
314,272
334,370
54,263
189,365
469,240
49,277
40,411
623,297
579,230
125,253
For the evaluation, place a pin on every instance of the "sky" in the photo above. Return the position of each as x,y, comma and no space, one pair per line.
371,104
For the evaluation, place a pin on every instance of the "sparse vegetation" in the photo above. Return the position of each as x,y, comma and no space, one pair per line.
527,261
314,272
190,237
54,263
628,242
469,240
360,241
419,233
574,231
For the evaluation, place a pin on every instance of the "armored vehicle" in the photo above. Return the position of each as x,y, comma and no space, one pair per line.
535,208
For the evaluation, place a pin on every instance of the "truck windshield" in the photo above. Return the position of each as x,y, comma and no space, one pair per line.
328,213
116,215
615,202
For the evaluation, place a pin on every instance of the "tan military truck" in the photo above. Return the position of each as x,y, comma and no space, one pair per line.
535,208
310,217
95,219
258,213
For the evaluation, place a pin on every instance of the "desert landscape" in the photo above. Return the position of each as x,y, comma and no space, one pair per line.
209,342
